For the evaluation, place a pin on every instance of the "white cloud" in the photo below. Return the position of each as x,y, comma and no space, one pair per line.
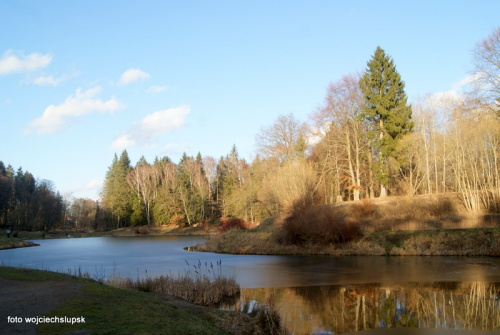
157,89
123,141
176,148
132,76
94,184
444,99
82,103
465,81
89,190
12,63
145,131
47,81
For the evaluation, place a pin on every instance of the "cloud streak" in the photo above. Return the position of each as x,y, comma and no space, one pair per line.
81,103
153,125
47,81
132,76
18,63
156,89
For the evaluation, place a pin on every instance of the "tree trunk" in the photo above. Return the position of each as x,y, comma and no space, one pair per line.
383,191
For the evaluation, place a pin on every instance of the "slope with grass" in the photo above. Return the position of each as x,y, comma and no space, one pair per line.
106,310
421,225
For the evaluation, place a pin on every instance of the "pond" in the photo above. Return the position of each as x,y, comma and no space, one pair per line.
313,294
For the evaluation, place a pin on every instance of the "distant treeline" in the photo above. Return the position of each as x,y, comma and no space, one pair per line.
365,141
27,203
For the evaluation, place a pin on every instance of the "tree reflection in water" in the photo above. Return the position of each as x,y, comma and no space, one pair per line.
351,308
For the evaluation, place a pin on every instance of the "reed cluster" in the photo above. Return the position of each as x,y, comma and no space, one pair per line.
200,284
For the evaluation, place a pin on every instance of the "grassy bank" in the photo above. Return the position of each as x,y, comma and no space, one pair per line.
14,242
463,242
110,310
424,225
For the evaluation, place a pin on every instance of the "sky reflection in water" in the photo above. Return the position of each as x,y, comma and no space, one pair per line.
313,294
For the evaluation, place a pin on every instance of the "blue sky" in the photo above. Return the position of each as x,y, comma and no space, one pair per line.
83,80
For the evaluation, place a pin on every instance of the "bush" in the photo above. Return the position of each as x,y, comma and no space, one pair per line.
142,230
178,220
230,224
318,225
364,209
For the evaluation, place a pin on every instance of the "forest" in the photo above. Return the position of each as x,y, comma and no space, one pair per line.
365,141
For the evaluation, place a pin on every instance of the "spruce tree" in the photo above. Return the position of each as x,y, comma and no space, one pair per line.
116,192
386,109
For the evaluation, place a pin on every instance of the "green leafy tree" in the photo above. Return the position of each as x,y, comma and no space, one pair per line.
386,109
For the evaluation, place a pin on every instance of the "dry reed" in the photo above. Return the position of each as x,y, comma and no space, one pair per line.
202,285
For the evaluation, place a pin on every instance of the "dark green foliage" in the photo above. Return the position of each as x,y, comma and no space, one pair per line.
28,204
6,193
116,192
386,109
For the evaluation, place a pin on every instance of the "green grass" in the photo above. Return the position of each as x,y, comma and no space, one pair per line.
22,274
109,310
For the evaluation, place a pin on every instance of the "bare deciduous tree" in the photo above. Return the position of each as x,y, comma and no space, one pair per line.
341,114
487,70
279,140
144,180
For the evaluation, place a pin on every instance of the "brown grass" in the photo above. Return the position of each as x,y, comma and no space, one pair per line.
430,212
205,286
420,225
455,243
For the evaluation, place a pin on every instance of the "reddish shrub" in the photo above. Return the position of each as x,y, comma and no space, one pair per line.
178,220
230,224
318,225
206,225
142,230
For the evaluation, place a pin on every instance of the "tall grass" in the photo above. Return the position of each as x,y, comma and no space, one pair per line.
200,284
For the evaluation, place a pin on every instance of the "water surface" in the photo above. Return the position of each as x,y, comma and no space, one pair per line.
313,294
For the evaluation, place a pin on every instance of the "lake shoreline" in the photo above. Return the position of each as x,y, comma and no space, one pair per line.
23,237
13,243
443,242
48,293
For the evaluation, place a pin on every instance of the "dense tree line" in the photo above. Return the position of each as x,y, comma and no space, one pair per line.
27,203
365,141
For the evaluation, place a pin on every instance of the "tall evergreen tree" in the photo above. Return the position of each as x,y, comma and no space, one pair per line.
116,192
386,109
6,193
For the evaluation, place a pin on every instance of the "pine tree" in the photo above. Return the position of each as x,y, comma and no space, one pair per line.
116,192
6,193
386,110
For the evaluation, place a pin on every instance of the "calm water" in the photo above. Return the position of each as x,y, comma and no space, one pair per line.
314,294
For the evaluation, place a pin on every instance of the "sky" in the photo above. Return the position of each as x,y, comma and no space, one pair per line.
83,80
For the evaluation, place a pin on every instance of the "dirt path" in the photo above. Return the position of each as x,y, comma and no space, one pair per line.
31,299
